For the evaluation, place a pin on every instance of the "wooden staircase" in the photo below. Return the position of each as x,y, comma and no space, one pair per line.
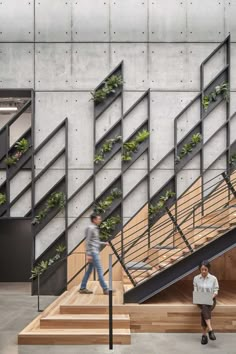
212,226
89,325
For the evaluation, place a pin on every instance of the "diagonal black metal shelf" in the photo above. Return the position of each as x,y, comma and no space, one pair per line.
58,187
141,148
47,254
169,185
39,175
102,106
3,207
111,134
219,79
181,164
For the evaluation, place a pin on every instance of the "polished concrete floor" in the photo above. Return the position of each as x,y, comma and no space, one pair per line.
18,308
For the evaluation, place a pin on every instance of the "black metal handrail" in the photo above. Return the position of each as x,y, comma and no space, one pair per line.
144,253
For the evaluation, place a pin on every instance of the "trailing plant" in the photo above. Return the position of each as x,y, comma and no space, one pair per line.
3,198
132,146
56,199
212,96
232,159
105,204
108,226
187,148
40,268
106,147
109,86
154,209
22,146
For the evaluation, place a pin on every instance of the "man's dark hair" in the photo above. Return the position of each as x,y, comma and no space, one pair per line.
94,216
205,264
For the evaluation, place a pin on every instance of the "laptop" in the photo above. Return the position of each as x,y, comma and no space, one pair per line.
202,298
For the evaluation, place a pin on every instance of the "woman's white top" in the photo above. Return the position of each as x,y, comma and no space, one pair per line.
206,284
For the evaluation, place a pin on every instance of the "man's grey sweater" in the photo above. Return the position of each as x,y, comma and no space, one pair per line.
93,242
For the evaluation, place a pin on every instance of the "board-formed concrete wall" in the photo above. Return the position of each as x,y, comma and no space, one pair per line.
64,48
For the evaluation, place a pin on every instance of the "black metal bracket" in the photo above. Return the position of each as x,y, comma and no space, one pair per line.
229,184
179,229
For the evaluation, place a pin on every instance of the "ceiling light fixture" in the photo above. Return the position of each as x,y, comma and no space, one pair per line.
8,109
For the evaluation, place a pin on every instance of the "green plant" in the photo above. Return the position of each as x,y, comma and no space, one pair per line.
56,199
3,198
187,148
105,204
212,96
106,147
108,226
41,267
109,86
154,209
10,160
22,146
132,146
232,158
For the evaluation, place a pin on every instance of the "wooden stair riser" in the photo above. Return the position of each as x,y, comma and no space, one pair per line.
91,323
156,256
216,218
73,339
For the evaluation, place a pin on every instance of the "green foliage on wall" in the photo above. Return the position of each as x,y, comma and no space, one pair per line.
212,96
187,148
22,146
3,198
132,146
110,86
41,267
108,226
154,209
56,200
105,204
106,147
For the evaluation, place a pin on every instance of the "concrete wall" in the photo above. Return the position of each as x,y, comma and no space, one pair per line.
64,48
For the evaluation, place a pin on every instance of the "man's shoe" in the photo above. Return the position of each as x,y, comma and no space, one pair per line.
211,335
85,291
204,339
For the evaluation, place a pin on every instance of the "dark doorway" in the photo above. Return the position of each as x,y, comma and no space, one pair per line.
15,250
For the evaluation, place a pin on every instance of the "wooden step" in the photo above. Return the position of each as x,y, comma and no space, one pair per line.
74,336
176,258
85,321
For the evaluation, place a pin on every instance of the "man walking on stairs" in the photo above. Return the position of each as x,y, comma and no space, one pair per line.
93,245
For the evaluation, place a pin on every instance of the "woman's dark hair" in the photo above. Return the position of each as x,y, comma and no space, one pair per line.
205,264
94,216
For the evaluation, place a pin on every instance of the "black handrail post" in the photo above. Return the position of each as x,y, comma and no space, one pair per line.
179,230
110,305
229,183
39,294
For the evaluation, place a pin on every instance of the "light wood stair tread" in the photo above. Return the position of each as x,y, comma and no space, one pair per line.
76,331
87,317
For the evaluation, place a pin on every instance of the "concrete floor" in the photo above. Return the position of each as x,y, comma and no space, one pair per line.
18,308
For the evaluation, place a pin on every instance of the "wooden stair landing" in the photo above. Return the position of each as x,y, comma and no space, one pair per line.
54,327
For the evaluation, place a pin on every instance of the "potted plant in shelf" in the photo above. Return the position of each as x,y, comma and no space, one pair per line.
212,96
41,267
103,205
22,146
56,200
154,209
109,86
187,148
108,226
131,146
3,198
106,147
